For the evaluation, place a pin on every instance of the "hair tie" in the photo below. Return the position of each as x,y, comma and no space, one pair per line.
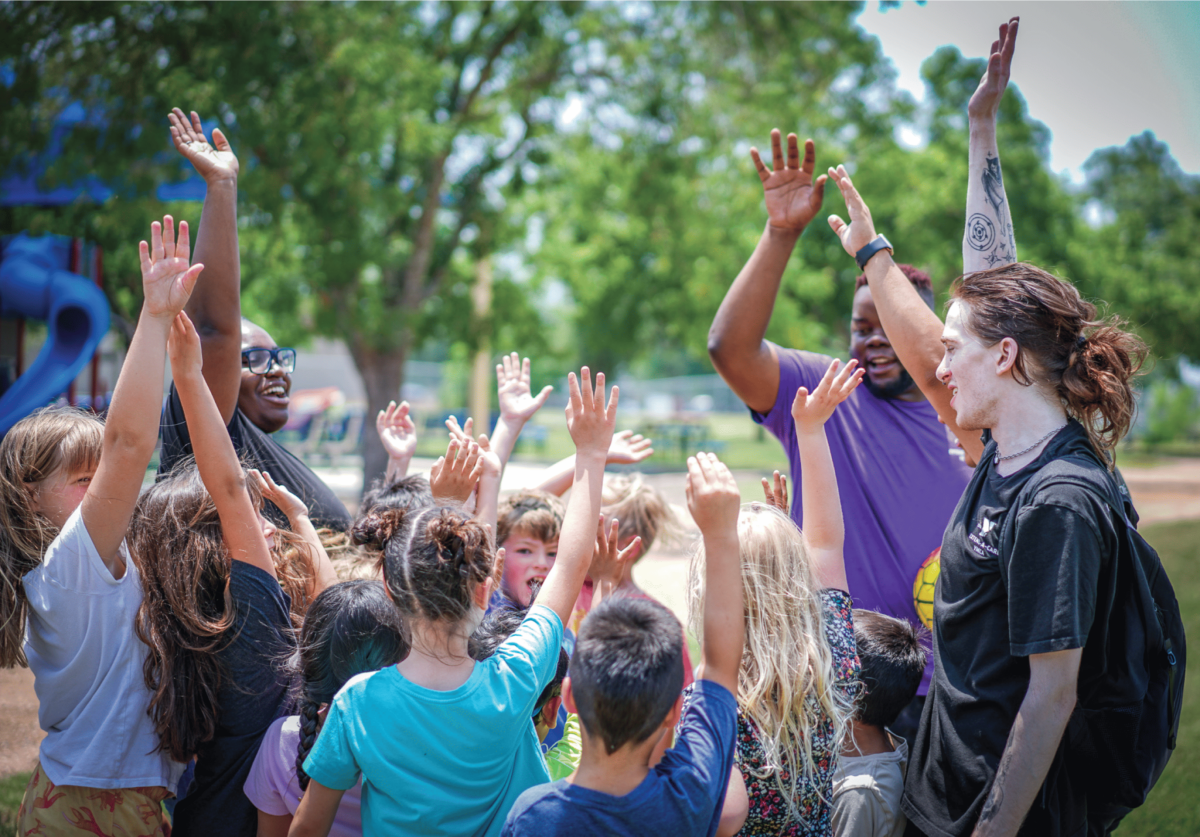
1081,340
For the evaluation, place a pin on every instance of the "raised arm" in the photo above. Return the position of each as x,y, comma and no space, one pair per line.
323,573
988,239
627,448
132,425
398,432
714,502
222,473
914,331
736,342
216,308
517,403
590,422
824,530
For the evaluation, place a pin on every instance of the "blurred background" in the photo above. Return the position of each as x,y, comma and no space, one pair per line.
425,186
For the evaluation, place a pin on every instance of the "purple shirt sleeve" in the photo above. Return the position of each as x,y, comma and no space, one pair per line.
796,369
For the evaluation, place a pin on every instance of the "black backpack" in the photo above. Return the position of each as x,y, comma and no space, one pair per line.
1124,726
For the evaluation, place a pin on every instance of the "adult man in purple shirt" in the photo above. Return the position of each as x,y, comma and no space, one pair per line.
898,479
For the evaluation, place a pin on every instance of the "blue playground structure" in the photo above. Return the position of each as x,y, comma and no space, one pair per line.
36,283
40,278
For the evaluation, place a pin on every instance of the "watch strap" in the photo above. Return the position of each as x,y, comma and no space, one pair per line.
864,255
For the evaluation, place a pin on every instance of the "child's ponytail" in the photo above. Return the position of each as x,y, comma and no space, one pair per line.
34,449
351,628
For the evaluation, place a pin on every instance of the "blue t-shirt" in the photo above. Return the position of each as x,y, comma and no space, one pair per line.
436,762
682,794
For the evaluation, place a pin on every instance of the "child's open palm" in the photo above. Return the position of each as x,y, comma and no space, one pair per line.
397,431
517,401
812,409
608,561
183,346
455,475
590,422
167,280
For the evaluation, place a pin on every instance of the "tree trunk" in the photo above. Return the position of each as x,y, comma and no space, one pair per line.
382,375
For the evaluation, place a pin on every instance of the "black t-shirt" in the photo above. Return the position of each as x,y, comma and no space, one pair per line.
1014,581
254,691
260,451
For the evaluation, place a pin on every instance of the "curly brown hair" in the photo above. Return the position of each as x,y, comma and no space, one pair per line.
1088,361
176,543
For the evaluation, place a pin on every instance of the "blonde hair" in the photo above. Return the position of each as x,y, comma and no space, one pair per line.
50,440
350,561
786,684
641,510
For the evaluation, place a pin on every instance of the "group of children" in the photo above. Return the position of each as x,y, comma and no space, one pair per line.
464,664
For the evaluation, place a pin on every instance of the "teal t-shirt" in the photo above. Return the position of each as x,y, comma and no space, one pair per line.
442,762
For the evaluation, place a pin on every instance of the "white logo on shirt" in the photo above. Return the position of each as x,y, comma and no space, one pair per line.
981,537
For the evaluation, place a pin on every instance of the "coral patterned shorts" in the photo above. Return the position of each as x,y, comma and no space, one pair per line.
70,810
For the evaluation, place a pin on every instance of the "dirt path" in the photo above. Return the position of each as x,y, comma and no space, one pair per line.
1170,491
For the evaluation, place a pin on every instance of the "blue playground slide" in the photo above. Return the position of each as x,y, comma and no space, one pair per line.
35,284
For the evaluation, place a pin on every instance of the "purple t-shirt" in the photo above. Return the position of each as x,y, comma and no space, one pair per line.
898,482
272,784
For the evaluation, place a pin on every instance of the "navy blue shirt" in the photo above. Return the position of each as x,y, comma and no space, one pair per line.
682,794
254,691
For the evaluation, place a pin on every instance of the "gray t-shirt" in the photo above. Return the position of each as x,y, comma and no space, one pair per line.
867,791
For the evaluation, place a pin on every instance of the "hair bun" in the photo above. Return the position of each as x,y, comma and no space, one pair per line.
377,528
462,542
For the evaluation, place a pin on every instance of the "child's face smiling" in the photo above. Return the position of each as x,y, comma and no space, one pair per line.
526,560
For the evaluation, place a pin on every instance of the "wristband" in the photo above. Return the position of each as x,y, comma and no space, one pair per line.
864,255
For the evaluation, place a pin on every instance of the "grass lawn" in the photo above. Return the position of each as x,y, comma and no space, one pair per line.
1173,809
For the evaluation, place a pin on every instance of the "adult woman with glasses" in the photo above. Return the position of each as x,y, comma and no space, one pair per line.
249,376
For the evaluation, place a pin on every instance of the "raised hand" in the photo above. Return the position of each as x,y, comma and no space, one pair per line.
712,495
861,230
213,161
183,347
589,421
287,502
517,402
629,448
793,200
455,475
609,563
397,431
778,495
812,409
463,433
985,101
167,280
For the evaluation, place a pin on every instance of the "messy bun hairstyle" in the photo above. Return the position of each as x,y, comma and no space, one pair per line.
1089,362
351,628
432,559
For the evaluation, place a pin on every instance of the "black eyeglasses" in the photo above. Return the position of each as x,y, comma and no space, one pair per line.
259,361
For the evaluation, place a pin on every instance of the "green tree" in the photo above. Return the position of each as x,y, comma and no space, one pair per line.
1144,255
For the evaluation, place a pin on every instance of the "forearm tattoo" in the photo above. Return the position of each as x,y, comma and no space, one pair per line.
982,235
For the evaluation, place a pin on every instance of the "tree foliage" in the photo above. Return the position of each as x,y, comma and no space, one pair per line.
386,148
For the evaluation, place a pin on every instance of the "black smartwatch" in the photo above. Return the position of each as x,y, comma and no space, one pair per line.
864,255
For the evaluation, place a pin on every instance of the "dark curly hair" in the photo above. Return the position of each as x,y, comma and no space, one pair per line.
432,559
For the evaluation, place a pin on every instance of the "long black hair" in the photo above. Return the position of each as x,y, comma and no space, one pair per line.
350,628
